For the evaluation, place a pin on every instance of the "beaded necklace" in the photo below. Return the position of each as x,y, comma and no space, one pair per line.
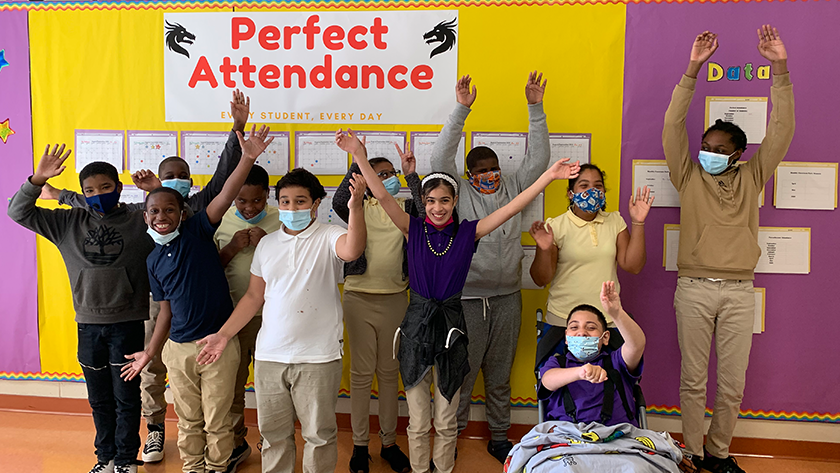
429,242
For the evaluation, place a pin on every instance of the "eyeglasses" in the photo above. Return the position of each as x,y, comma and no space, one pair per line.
387,174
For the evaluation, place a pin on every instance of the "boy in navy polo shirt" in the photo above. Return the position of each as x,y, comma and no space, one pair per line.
584,371
187,277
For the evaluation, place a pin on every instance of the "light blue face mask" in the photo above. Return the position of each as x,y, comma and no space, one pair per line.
253,220
584,348
392,185
714,163
164,239
296,220
180,185
590,201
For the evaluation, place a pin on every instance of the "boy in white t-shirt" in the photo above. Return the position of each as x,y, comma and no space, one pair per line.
297,368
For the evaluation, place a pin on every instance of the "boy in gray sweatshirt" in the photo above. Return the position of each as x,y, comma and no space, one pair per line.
491,298
104,247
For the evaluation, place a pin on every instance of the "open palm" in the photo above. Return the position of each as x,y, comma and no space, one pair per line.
704,46
770,44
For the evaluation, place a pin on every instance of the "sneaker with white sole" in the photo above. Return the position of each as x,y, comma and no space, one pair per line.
132,468
153,450
103,467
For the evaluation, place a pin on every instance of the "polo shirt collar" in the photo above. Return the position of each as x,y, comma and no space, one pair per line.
448,230
581,222
304,234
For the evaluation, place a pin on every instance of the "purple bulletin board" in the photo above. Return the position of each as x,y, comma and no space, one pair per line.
793,366
19,351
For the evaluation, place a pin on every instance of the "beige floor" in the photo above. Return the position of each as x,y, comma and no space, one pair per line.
35,443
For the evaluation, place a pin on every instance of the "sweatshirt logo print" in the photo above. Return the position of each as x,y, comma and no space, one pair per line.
103,245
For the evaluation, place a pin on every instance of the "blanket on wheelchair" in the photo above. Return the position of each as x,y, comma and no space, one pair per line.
558,446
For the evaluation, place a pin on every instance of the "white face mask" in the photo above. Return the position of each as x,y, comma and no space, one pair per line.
164,239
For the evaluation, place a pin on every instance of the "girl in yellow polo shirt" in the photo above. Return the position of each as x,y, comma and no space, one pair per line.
581,248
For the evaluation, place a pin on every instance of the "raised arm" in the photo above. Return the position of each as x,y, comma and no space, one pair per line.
780,130
244,311
544,266
446,147
342,194
409,165
634,338
674,133
538,153
630,247
351,246
559,170
251,149
143,179
350,143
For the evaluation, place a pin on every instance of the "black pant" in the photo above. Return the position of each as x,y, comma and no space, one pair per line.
115,403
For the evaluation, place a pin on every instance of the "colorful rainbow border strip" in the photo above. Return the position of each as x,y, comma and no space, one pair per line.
516,402
319,4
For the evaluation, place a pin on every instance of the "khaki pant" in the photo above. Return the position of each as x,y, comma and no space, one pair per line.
203,396
725,309
153,376
419,425
371,321
247,347
308,392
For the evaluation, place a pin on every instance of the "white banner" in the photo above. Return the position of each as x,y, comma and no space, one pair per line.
304,67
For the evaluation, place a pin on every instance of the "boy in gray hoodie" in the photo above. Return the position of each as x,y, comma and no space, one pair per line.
104,247
491,298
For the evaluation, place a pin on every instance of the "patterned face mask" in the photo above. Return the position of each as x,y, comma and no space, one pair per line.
590,201
487,182
584,348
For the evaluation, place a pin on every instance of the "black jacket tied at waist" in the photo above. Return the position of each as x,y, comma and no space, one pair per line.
434,333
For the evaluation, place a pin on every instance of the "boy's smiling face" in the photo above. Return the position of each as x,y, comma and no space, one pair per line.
251,200
163,213
175,169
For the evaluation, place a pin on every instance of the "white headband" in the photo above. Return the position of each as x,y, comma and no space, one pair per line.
440,175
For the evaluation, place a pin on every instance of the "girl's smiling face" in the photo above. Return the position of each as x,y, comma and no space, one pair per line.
440,203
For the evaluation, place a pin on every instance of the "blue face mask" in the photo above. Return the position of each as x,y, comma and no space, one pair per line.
590,201
180,185
253,220
584,348
296,220
164,239
392,185
714,163
104,202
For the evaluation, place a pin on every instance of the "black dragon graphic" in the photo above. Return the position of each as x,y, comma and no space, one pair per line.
176,34
444,33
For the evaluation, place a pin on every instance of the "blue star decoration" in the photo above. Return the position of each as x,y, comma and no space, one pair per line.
3,61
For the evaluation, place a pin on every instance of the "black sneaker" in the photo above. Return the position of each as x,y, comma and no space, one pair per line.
721,465
153,450
396,458
499,449
360,461
239,455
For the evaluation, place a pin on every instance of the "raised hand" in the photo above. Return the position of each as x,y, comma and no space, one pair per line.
592,373
358,186
407,160
256,142
240,109
704,46
563,170
131,370
770,44
534,91
50,165
214,345
610,300
145,180
350,143
255,234
462,91
639,205
542,234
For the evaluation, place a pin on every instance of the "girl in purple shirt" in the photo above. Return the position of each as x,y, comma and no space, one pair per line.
433,333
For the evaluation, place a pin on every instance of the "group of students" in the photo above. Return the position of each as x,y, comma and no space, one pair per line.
253,282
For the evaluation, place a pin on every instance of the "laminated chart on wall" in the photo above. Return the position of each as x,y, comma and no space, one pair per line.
509,148
202,150
760,301
535,211
527,260
326,214
146,149
380,144
423,142
99,145
132,195
749,113
657,177
275,158
783,250
808,186
575,146
317,152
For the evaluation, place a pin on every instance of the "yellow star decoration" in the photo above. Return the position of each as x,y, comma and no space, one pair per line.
5,130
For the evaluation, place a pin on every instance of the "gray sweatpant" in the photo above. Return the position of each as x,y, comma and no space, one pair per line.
493,331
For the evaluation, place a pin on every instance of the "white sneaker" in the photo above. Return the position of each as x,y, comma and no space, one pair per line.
153,450
103,467
132,468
